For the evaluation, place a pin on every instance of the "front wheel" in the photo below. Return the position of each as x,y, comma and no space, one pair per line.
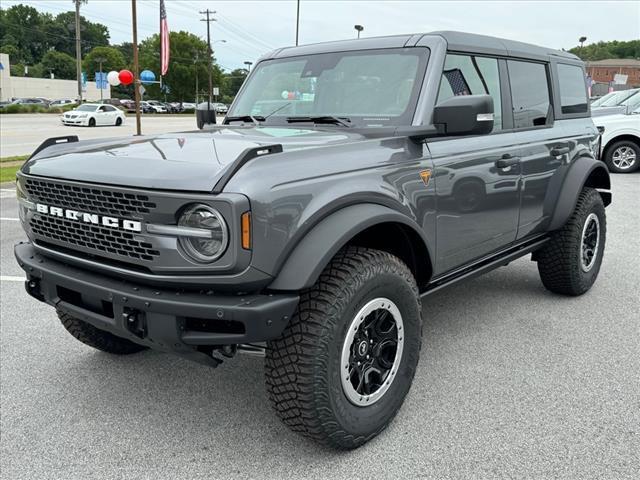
92,122
569,263
623,157
340,371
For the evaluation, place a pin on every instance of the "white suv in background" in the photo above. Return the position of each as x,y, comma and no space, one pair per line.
621,141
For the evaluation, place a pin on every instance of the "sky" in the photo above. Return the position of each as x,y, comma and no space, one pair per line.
253,28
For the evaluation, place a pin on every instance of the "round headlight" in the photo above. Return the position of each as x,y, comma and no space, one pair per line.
214,240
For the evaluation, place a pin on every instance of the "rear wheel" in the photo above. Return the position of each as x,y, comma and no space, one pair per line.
96,338
623,157
92,122
569,263
118,122
341,369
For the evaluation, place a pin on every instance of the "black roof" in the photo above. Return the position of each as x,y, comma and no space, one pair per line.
456,41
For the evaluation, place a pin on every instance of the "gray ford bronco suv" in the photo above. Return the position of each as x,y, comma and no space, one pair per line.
348,180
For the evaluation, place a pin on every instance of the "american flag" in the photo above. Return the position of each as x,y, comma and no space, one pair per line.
164,40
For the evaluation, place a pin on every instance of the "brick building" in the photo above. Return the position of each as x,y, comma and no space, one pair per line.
604,70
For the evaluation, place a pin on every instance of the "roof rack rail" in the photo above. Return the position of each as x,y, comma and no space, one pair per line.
54,141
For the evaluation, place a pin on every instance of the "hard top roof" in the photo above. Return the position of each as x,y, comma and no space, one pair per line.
456,41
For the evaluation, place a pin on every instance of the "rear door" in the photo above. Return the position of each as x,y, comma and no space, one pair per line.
476,177
543,144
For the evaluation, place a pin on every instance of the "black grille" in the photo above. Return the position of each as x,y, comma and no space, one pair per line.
88,199
93,237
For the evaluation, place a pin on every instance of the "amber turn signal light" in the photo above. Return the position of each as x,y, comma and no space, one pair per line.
246,230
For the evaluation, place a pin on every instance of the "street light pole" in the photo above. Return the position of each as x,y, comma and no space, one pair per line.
582,40
136,68
358,28
297,21
248,64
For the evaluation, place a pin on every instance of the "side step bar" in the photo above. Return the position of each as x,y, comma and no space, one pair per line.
484,265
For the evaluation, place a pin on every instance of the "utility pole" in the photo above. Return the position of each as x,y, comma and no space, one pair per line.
209,19
359,28
136,68
100,61
78,52
297,22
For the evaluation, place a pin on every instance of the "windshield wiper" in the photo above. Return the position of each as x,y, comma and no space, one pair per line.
330,119
245,118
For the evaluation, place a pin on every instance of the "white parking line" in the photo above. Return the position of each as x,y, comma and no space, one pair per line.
9,219
9,278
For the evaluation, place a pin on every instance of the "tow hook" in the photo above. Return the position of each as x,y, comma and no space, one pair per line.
135,322
32,286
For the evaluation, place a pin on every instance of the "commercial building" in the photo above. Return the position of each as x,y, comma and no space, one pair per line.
605,70
21,87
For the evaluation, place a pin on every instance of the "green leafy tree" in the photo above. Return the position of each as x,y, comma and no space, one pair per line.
21,26
60,64
232,83
613,49
112,60
188,60
91,34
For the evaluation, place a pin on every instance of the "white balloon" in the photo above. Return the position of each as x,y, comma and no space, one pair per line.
112,78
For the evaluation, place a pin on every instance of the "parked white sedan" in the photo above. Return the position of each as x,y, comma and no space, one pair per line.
93,114
621,141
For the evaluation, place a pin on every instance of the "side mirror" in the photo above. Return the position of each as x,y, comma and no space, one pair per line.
465,115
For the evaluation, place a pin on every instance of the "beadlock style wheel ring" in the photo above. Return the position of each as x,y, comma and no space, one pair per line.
590,242
372,352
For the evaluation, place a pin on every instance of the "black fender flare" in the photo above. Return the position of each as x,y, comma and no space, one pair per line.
316,249
583,172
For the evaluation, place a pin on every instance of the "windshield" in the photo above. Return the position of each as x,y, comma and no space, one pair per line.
86,108
633,100
617,98
367,88
598,101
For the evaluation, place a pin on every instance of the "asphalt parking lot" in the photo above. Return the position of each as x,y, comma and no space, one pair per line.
513,382
22,133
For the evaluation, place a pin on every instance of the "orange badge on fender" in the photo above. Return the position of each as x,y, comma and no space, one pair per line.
425,175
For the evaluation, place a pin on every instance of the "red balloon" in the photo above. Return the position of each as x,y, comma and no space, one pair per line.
125,77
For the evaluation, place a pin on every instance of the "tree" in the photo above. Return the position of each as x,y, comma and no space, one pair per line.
188,59
232,83
613,49
21,26
92,34
60,64
112,60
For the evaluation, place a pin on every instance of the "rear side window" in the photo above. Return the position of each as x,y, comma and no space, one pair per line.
573,91
470,75
529,94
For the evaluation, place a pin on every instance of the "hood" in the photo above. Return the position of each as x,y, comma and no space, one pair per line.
189,161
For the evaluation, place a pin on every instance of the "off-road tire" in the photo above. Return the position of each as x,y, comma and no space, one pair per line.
559,260
303,366
608,156
92,122
96,338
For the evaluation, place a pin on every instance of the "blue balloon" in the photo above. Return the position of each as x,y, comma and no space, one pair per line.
147,76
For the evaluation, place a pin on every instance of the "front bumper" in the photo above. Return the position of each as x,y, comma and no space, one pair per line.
177,321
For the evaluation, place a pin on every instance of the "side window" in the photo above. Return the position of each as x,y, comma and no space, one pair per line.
529,94
573,92
109,108
471,75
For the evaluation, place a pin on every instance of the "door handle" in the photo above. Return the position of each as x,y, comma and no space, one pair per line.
507,160
557,151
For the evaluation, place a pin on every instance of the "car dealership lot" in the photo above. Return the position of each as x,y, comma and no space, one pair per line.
513,382
22,133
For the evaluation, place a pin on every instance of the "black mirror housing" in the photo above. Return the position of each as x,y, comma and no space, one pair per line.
465,115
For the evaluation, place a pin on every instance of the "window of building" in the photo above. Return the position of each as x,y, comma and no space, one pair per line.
529,94
573,93
470,75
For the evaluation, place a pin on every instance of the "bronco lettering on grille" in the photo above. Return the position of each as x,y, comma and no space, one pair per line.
111,222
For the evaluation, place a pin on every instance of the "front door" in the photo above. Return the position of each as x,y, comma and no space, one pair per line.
477,179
